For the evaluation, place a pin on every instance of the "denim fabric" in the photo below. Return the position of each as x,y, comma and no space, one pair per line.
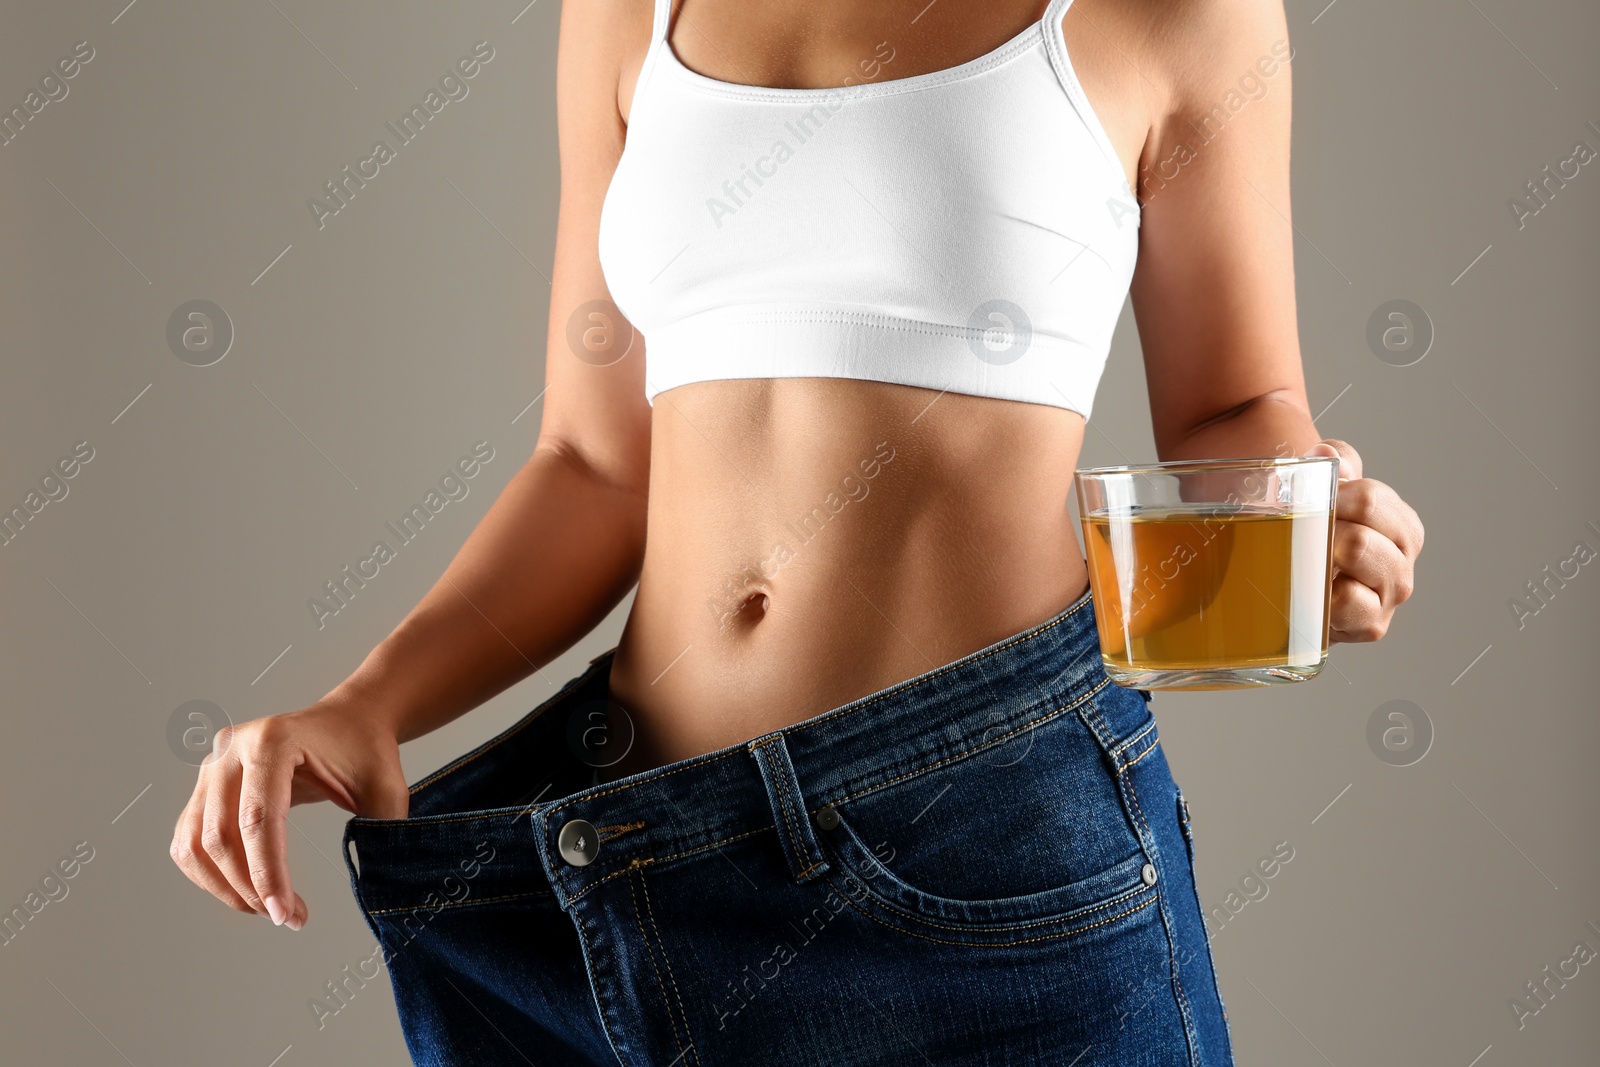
1001,874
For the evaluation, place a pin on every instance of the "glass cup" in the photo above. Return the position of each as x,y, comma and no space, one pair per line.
1211,574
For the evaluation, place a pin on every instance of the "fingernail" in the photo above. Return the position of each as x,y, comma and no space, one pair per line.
275,910
295,922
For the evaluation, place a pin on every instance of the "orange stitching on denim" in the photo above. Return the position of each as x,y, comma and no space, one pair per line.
1151,725
620,828
638,917
1046,717
1081,913
1108,740
1102,730
1097,726
783,801
1177,983
1001,944
788,818
463,902
667,962
583,944
583,798
1183,1000
640,861
1151,748
431,820
894,690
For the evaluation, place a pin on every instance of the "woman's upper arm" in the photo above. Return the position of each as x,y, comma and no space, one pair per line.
1213,291
594,410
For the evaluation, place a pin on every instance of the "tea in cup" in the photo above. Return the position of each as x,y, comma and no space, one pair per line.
1211,574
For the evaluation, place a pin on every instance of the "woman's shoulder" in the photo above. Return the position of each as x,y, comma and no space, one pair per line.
1192,50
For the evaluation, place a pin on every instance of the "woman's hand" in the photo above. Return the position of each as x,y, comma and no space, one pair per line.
1376,539
231,838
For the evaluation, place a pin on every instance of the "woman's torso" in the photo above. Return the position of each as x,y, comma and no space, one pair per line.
814,539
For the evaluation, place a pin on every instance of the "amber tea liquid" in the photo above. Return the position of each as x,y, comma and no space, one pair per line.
1206,589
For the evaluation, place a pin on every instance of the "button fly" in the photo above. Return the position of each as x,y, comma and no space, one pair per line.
578,843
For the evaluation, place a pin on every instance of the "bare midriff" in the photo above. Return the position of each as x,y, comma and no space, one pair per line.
814,540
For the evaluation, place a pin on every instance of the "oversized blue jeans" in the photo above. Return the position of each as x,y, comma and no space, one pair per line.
989,864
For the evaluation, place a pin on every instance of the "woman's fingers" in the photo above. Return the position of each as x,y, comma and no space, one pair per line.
1371,558
231,839
1376,539
1349,459
1371,577
190,856
1356,613
219,835
1375,545
1373,503
263,804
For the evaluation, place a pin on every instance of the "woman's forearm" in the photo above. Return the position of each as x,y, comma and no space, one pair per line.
555,553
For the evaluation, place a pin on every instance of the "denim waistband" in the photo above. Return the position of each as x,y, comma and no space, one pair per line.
772,782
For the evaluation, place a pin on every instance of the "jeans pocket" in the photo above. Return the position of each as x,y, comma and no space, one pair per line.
866,877
1030,830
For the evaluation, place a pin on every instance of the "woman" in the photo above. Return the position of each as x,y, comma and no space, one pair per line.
853,787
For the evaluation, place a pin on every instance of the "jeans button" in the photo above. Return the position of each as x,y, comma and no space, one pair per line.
1148,874
578,843
827,818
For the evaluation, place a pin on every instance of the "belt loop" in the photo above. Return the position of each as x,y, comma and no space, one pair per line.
789,815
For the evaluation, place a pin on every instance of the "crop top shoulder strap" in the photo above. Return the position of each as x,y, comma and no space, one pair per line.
663,20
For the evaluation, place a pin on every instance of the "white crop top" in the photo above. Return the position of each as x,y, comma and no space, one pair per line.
968,230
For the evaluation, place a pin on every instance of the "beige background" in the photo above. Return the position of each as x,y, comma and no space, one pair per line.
376,350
